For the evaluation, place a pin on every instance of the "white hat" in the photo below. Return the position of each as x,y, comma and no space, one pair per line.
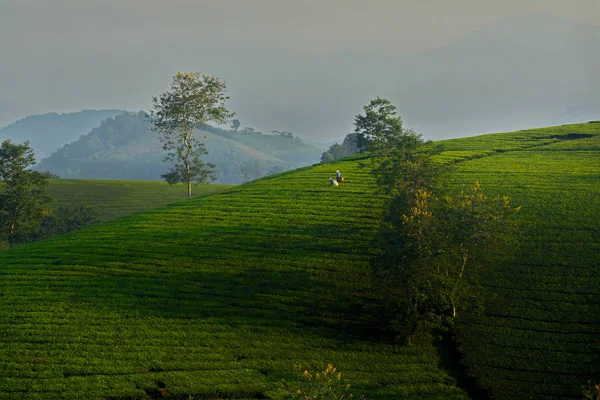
337,170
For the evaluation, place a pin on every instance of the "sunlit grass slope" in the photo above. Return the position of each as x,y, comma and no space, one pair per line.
112,199
216,298
539,336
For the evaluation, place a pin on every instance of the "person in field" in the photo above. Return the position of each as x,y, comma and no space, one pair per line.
338,176
333,182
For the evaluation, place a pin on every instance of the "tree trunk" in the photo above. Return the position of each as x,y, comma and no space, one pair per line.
188,177
12,232
460,275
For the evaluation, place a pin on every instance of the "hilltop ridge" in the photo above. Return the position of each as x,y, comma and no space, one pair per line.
47,132
126,147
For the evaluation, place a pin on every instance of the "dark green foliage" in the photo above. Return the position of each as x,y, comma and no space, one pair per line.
433,245
24,196
378,125
336,151
380,128
66,218
435,252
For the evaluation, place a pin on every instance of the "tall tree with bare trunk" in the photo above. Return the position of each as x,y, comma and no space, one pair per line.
194,100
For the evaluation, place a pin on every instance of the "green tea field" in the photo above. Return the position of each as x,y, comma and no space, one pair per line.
214,298
220,296
539,336
113,199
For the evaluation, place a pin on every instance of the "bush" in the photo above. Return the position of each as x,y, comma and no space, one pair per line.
327,385
591,391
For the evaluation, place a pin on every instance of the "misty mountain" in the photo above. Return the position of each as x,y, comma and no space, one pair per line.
47,132
125,147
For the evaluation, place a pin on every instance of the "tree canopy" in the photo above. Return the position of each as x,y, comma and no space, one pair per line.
434,245
23,201
194,100
380,127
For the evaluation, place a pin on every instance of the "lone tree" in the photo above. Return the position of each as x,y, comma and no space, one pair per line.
434,246
235,124
380,128
194,100
24,197
438,249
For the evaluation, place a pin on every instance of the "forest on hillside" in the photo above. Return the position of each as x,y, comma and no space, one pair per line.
126,147
47,132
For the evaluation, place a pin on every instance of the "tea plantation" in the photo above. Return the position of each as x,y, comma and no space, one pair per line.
113,199
217,297
220,296
539,337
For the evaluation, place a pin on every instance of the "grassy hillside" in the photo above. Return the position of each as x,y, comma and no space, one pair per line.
113,199
539,337
217,298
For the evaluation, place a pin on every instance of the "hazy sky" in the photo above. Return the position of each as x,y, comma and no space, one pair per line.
68,55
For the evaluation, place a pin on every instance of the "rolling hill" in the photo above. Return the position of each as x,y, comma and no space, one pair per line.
125,147
539,336
218,297
114,199
48,132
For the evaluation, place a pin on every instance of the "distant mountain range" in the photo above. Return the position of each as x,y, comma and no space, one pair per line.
125,147
48,132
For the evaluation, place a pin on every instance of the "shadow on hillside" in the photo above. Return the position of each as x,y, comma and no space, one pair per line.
291,300
287,272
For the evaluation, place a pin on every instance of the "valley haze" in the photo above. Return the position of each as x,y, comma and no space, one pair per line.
306,67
